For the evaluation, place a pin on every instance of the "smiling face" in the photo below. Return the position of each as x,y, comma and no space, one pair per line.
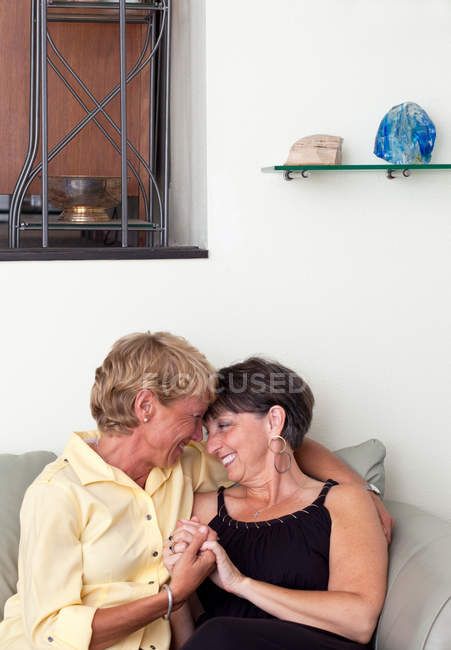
172,427
240,441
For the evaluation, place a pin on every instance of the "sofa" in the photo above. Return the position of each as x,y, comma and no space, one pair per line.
417,610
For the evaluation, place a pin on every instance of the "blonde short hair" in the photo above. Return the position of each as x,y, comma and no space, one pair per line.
166,364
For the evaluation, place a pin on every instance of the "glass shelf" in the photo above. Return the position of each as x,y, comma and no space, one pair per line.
31,223
102,11
291,172
294,168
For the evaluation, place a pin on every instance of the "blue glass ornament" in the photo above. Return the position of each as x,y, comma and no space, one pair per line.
406,135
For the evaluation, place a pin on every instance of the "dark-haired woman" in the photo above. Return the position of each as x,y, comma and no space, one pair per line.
300,565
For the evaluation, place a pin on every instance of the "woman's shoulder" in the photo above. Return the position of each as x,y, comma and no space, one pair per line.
349,499
206,503
56,472
205,506
348,492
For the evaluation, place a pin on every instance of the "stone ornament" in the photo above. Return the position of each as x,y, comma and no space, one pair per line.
316,150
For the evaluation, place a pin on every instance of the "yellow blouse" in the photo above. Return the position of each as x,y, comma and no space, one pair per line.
91,538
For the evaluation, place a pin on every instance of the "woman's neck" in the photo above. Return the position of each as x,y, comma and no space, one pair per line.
124,451
272,487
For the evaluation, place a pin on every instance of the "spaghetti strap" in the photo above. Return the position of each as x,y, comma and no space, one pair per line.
221,504
325,489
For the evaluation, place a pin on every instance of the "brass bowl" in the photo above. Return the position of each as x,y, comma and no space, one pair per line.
84,199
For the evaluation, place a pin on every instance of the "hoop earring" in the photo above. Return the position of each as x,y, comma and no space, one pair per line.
279,454
284,444
285,469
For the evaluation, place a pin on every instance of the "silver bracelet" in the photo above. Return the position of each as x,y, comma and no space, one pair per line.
170,601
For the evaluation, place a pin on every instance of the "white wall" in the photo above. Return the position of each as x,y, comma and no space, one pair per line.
345,277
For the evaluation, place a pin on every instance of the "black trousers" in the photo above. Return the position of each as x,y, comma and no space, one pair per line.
230,633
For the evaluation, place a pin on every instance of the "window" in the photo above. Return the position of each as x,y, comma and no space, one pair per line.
81,123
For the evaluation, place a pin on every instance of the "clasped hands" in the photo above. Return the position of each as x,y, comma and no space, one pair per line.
223,573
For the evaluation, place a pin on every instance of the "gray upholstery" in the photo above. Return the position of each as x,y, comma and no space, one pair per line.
438,637
367,459
16,474
417,610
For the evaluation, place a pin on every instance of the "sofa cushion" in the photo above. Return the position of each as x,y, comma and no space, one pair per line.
417,609
16,474
367,459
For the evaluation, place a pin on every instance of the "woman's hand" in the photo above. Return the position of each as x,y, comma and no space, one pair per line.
191,568
170,557
226,576
385,517
180,539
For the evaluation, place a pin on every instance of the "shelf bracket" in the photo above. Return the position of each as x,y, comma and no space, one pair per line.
291,175
392,173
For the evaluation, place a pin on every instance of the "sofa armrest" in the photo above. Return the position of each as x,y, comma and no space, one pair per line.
417,609
16,474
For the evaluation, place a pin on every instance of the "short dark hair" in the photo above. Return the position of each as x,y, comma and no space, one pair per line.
255,385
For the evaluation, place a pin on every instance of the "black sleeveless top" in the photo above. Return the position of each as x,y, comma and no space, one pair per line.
291,551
